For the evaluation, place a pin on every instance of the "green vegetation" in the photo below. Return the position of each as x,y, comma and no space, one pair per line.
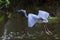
52,19
1,18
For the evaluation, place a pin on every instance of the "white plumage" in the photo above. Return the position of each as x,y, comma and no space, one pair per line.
32,18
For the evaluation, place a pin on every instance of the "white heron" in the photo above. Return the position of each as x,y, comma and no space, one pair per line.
32,18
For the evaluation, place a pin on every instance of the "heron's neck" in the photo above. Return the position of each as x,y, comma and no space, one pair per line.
26,15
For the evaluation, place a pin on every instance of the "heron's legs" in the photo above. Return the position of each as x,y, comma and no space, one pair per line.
47,31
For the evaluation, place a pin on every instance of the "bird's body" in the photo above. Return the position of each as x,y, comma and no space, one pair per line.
32,18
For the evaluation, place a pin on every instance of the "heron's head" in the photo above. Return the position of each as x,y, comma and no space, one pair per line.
21,10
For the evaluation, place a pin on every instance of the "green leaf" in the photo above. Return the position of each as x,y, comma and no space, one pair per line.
7,2
1,18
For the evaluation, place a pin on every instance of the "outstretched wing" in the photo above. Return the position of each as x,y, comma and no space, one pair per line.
44,15
32,19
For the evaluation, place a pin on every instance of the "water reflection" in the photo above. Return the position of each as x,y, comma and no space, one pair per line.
36,34
17,35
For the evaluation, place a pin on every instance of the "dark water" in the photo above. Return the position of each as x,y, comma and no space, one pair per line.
18,30
36,33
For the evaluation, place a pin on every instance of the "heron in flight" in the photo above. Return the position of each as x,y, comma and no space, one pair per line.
32,18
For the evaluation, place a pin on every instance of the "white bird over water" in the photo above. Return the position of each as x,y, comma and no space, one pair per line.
32,18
